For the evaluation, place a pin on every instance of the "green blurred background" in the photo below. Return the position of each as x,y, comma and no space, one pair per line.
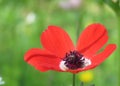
22,22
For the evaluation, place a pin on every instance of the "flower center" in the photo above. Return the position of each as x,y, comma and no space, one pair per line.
74,60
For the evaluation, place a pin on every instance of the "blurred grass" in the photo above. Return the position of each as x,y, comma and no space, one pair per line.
16,37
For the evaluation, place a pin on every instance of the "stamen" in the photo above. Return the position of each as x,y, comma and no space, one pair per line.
74,60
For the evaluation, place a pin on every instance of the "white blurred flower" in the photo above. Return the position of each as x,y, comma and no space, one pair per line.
1,81
30,18
70,4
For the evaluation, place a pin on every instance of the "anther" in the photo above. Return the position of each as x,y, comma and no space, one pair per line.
74,60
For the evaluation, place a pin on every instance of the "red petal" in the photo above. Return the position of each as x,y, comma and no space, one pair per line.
57,41
98,59
42,60
96,46
90,36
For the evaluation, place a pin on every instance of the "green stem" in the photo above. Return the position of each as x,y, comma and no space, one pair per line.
114,5
118,16
73,79
50,10
81,84
93,85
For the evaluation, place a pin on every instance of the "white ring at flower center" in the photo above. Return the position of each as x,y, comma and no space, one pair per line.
63,66
87,62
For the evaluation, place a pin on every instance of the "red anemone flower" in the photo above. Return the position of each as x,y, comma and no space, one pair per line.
59,53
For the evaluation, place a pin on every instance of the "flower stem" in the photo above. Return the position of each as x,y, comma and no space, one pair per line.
92,85
81,84
73,79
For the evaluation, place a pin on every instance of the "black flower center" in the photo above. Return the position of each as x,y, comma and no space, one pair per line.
74,60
